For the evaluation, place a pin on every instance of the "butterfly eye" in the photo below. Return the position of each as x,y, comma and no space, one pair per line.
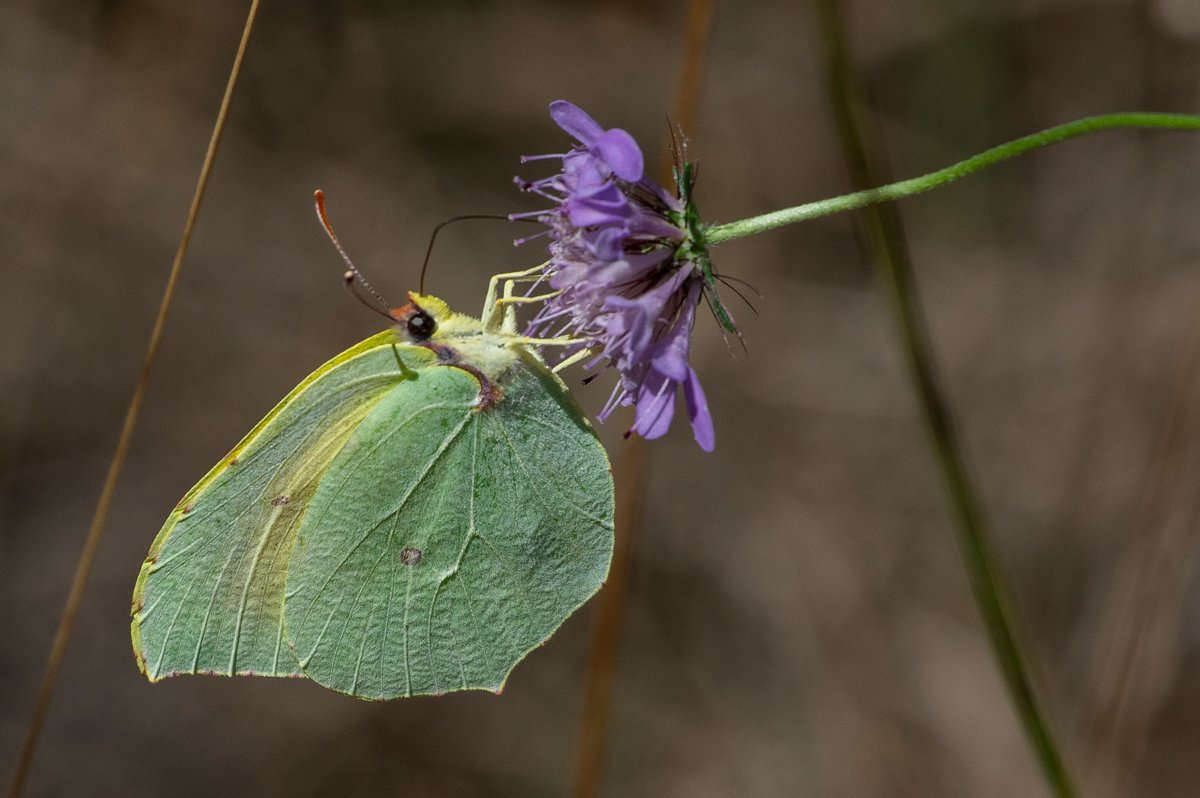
421,326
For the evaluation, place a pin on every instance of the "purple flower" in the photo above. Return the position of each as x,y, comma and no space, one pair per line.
629,260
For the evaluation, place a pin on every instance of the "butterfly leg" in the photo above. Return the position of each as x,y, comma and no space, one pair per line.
510,314
405,371
511,302
490,306
564,340
575,358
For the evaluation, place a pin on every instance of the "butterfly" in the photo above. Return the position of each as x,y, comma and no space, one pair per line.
413,518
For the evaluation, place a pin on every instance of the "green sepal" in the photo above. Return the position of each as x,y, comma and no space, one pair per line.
695,246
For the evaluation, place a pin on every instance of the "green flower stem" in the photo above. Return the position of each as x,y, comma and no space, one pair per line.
848,202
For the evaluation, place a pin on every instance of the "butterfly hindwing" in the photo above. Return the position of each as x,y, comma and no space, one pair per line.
446,541
209,598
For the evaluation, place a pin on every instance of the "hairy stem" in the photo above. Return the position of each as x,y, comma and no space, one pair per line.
848,202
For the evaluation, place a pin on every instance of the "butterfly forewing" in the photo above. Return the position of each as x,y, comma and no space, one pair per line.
447,541
209,596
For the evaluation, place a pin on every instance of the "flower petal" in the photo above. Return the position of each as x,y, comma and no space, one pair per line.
574,120
671,353
617,272
697,407
643,224
606,243
655,406
671,362
585,174
622,153
589,211
651,187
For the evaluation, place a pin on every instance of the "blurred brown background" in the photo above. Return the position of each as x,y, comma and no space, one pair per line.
800,624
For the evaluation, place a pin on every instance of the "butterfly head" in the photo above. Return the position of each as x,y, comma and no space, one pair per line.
415,322
427,318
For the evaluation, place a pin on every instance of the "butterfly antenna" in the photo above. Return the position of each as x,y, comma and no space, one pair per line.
348,277
436,230
353,274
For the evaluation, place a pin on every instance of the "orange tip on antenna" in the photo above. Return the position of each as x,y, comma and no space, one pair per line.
351,273
319,195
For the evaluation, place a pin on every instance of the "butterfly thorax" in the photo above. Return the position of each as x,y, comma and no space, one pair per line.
461,341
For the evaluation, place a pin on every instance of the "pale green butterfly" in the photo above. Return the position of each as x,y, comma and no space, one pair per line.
414,518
